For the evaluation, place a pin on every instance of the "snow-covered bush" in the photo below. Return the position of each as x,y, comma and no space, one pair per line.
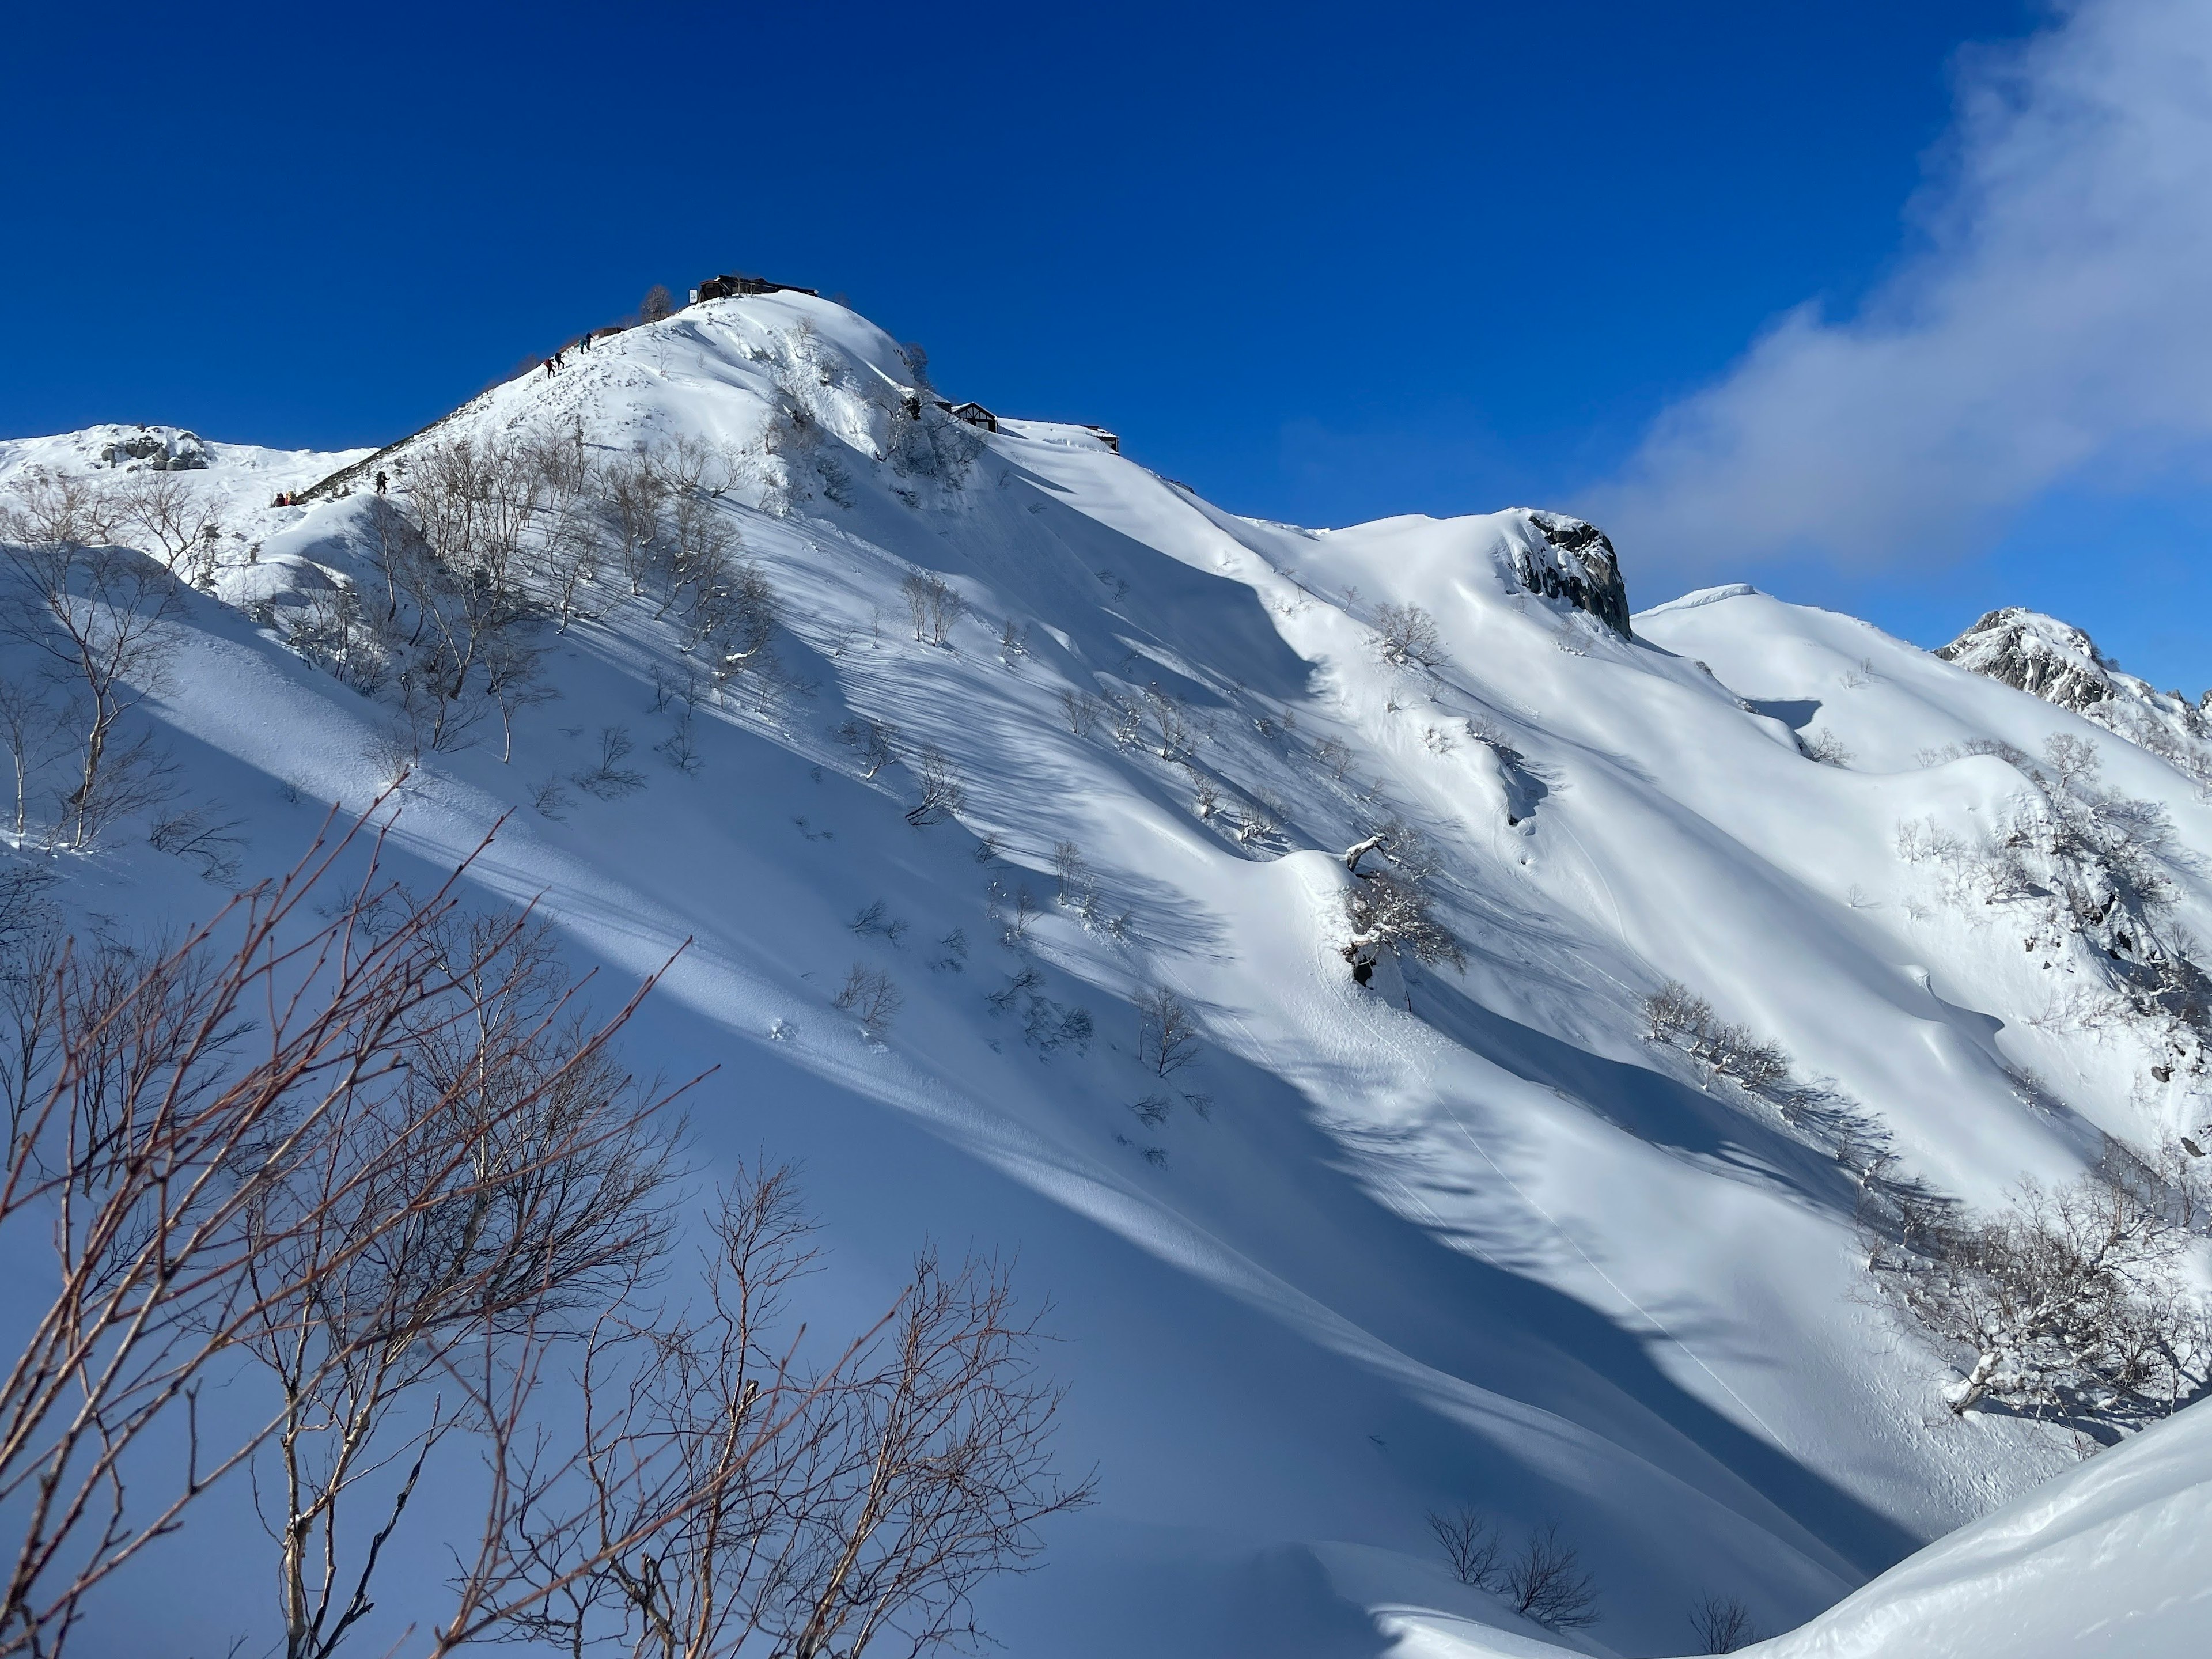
1407,637
2071,1305
2077,862
1676,1016
1393,913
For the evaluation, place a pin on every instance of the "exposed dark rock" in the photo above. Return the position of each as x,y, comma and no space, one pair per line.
1574,561
2060,664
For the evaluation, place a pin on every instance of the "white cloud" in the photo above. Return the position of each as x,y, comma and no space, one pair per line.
2057,326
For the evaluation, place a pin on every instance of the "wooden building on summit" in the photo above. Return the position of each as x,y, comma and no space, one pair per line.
733,287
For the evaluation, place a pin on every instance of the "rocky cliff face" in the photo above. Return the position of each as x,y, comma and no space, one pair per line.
2059,663
1568,559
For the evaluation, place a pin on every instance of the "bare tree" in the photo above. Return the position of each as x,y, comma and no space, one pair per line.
723,1494
98,614
37,731
1167,1030
1069,866
481,1215
947,1474
476,505
1406,637
942,795
1261,820
658,305
1722,1624
608,779
1473,1547
1080,710
932,604
869,992
872,741
1546,1582
1174,737
177,518
637,493
188,1169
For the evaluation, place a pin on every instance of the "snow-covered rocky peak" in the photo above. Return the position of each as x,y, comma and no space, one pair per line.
1712,944
1567,558
2061,664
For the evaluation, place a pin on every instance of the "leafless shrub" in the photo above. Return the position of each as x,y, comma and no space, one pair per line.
1014,927
1546,1582
870,993
942,795
1205,796
1825,747
875,919
1068,868
332,629
209,843
1174,738
607,779
1152,1110
1080,710
1722,1624
932,604
1473,1547
1673,1012
1128,726
871,740
1261,821
550,798
681,747
1406,637
1167,1030
1334,755
658,305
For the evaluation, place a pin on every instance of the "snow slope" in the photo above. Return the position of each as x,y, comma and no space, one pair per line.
1456,1237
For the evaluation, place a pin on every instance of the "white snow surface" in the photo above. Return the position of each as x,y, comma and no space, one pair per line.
1497,1250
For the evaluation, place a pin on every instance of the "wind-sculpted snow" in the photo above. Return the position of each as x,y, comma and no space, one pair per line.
1457,1235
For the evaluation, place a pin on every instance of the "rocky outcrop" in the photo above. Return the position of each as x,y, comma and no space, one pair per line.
2059,663
156,449
1570,559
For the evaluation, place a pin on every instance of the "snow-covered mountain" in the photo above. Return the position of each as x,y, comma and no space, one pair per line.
2059,663
1432,1218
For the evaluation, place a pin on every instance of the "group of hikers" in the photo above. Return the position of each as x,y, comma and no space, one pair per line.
291,497
559,359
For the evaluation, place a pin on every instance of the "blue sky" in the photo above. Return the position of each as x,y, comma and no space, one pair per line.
1324,264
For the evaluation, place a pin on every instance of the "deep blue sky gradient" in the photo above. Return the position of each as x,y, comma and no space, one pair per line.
1324,264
